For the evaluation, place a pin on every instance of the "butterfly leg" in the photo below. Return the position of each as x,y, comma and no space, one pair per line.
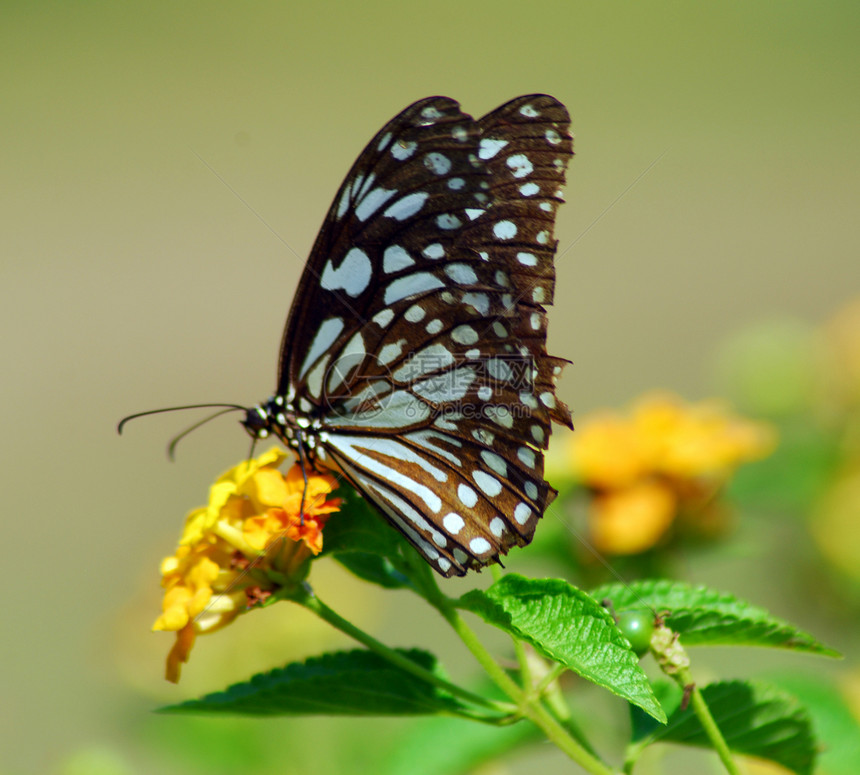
303,461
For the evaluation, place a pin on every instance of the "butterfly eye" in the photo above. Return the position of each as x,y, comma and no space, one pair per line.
257,422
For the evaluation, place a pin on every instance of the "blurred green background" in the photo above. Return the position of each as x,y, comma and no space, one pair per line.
132,277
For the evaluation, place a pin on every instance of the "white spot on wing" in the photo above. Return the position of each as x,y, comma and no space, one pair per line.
411,285
500,415
415,313
495,462
462,274
383,317
383,143
479,545
522,513
328,331
527,456
407,207
489,147
437,163
433,250
353,275
480,301
396,258
448,221
468,497
489,484
505,229
372,202
527,259
497,526
500,369
391,351
402,150
520,165
529,111
529,189
315,377
351,356
453,523
464,335
431,358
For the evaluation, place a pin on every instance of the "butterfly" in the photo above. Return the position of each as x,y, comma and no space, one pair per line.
413,362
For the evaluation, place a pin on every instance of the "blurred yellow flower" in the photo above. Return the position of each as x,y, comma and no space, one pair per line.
840,374
663,459
251,539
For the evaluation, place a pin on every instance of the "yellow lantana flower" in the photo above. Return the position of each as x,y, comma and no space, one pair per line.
663,459
251,539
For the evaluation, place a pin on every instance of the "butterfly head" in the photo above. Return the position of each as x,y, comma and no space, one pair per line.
268,418
275,417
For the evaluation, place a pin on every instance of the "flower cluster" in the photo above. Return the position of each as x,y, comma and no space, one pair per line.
662,461
252,539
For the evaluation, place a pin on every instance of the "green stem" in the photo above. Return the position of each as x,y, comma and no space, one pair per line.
530,707
554,700
703,713
307,599
553,675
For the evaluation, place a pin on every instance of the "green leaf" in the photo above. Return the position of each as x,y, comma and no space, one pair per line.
452,746
360,540
837,728
754,718
350,683
706,617
569,627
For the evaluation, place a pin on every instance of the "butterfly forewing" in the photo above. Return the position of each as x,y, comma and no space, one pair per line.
415,349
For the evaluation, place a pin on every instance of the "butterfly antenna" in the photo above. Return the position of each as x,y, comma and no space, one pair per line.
124,420
171,448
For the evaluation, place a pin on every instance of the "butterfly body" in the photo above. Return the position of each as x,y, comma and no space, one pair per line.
413,359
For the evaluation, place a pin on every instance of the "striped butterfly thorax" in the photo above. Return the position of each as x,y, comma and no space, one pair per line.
414,357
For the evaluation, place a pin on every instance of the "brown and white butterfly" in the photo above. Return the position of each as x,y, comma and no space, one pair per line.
414,357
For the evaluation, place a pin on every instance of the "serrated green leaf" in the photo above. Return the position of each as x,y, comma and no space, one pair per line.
669,696
707,617
569,627
351,683
755,719
837,728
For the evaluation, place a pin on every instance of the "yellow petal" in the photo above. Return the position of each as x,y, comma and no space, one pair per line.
632,520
